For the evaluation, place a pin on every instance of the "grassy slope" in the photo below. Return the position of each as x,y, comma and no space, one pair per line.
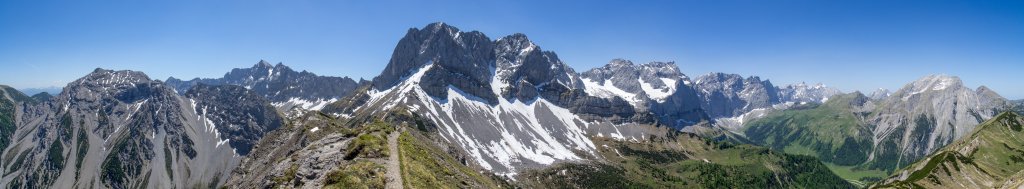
16,95
6,122
986,158
426,166
359,174
685,161
831,132
9,98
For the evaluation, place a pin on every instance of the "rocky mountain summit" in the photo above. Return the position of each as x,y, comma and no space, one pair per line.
803,93
656,87
284,87
880,94
729,95
927,114
655,81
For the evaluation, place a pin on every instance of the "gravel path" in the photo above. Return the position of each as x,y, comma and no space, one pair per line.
394,171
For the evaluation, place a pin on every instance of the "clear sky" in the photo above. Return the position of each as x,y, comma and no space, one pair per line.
852,45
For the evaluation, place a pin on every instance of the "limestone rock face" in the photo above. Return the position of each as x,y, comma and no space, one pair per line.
460,59
729,95
242,116
928,114
656,87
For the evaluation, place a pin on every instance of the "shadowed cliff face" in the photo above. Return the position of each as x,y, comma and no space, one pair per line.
242,116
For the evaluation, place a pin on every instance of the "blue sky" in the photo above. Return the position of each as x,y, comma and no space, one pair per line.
851,45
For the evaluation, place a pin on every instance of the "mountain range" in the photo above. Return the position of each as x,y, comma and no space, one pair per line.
873,137
457,109
284,87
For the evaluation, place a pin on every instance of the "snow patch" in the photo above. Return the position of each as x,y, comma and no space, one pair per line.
522,138
943,84
659,94
316,104
607,90
222,142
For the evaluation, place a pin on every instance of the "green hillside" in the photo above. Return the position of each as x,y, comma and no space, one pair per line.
991,157
831,132
685,161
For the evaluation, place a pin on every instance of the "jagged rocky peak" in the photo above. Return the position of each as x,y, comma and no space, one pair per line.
655,80
717,78
735,82
650,71
283,86
985,92
240,115
124,85
929,86
804,85
451,58
261,71
728,95
933,83
512,67
801,92
111,78
663,69
525,71
515,45
880,94
263,64
437,44
656,87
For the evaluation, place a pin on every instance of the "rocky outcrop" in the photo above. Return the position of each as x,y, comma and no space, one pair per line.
296,154
524,71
